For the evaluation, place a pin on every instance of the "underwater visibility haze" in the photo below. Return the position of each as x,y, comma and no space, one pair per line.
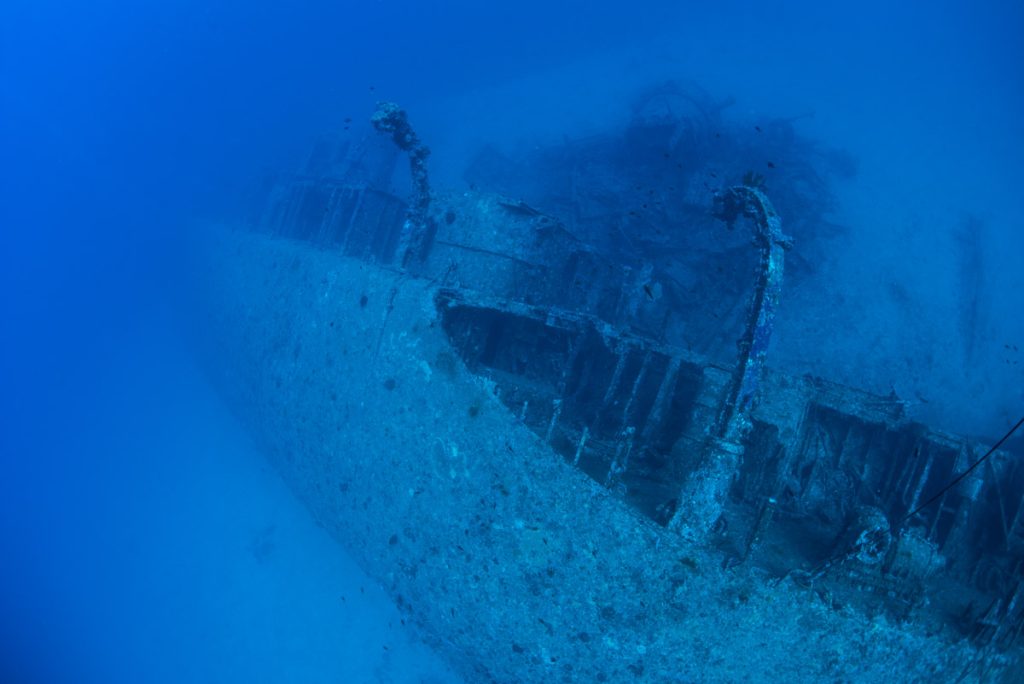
500,342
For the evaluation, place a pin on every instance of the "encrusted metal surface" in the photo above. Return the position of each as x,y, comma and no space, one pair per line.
514,563
502,421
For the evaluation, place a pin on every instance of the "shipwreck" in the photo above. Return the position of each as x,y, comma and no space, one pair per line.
563,469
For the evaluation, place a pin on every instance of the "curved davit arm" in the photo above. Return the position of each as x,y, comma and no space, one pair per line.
743,200
390,119
703,494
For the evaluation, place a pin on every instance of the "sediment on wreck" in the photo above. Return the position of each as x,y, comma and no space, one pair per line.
513,563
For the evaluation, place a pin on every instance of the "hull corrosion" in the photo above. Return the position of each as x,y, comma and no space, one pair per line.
513,562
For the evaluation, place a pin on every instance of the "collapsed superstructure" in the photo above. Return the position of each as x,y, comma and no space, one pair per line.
793,478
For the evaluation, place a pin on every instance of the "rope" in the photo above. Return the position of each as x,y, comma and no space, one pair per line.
964,474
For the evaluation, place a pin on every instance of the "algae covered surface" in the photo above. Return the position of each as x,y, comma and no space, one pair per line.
514,564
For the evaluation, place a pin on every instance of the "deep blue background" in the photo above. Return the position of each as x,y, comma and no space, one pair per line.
122,122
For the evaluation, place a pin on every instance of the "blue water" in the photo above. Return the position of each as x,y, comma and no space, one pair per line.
142,538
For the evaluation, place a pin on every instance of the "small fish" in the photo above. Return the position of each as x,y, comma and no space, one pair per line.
348,119
771,165
649,292
757,128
